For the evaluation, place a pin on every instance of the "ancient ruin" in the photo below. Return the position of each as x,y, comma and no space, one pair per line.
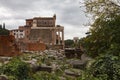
8,46
40,30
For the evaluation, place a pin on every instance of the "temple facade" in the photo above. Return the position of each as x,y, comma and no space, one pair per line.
40,29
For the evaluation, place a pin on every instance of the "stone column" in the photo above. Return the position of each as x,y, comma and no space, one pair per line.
62,36
59,37
54,36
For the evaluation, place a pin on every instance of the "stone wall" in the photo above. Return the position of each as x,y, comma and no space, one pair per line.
8,47
44,35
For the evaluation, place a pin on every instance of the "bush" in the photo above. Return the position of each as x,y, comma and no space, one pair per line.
16,68
45,76
106,67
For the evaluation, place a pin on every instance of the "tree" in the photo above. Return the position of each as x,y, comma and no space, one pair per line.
105,31
98,8
4,31
69,43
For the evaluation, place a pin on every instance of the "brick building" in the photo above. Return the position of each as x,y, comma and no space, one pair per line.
40,29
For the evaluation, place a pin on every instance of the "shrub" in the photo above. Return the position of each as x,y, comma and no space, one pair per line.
45,76
106,67
16,68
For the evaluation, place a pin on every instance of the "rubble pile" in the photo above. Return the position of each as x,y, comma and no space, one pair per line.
54,61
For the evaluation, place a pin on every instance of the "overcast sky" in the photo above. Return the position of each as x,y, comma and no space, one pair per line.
68,12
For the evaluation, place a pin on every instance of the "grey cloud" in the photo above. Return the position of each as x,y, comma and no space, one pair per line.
17,4
71,13
68,13
72,31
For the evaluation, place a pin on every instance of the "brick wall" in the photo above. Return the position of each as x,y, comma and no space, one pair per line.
36,46
8,47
